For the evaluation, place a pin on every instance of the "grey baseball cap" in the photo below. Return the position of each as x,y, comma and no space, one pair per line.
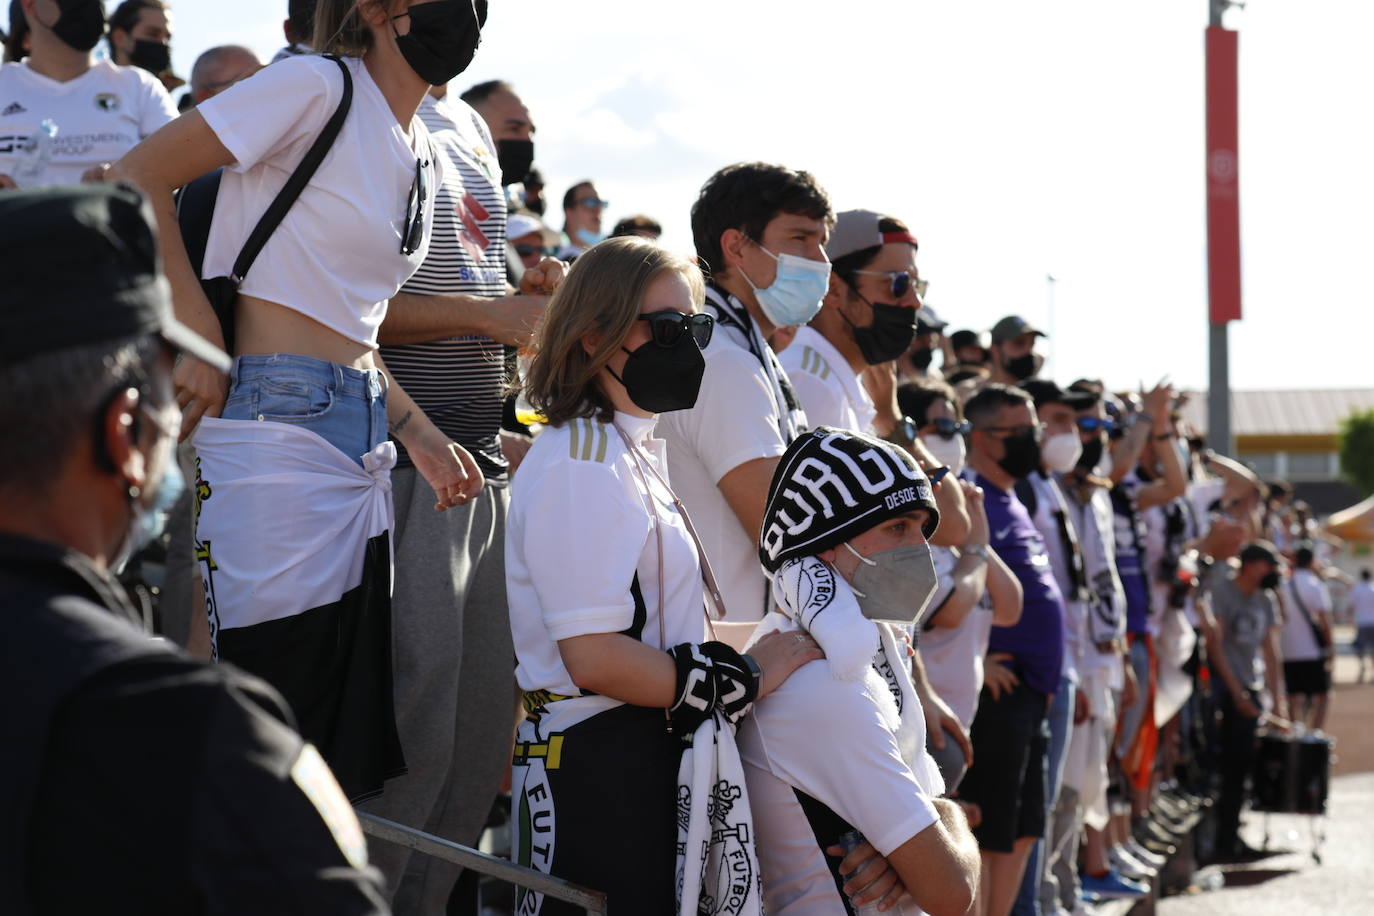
1013,326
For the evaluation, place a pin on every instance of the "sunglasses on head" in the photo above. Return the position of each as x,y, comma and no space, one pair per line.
668,326
415,211
946,428
1093,424
902,281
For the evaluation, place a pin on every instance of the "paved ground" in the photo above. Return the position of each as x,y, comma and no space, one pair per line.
1291,883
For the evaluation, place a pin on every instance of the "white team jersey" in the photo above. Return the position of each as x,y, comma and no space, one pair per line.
953,656
829,390
823,756
582,557
98,117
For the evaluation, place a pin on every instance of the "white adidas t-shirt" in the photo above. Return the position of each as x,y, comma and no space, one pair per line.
737,418
100,116
336,257
829,390
838,743
578,533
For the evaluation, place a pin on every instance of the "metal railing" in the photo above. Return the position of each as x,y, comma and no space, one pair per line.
594,902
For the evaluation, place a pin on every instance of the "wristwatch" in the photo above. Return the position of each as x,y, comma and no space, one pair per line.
754,670
903,433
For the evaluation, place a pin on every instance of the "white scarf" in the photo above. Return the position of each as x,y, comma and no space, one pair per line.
283,518
717,865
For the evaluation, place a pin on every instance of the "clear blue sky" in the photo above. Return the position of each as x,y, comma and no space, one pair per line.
1017,139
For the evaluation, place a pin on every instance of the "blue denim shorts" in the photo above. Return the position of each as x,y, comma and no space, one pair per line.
346,407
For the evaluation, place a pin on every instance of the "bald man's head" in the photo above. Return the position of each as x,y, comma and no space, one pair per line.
219,68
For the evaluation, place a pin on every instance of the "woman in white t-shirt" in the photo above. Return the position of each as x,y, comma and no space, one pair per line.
309,401
63,115
605,585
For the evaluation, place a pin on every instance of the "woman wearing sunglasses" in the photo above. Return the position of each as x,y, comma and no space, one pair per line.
293,459
605,585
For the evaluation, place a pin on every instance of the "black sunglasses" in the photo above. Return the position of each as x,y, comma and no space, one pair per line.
1093,424
668,326
525,251
415,211
946,428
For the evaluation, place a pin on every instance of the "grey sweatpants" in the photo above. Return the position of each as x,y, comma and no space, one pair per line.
454,670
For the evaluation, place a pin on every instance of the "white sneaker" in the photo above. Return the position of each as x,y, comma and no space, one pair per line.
1129,865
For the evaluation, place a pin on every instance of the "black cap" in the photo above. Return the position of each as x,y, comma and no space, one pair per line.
928,322
832,485
1013,326
966,338
1043,391
1260,550
80,266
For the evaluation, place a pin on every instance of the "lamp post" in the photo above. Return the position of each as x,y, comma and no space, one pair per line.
1223,219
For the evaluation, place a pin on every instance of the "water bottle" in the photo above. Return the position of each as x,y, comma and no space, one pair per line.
35,155
848,841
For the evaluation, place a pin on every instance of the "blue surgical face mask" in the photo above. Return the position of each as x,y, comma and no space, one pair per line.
150,520
794,297
587,238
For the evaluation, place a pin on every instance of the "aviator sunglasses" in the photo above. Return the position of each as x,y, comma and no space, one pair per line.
415,211
902,281
668,326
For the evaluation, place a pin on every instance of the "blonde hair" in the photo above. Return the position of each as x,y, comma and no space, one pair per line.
603,291
339,29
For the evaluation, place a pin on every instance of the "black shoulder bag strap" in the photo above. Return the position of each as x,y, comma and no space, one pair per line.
298,180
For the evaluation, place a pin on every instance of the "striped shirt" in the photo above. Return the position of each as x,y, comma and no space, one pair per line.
458,382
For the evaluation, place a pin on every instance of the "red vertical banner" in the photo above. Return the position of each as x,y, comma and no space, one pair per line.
1223,177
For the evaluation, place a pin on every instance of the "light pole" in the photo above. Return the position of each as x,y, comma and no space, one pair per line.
1223,219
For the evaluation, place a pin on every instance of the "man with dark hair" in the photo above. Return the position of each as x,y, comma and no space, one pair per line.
141,36
760,235
582,209
1010,730
1306,641
1012,357
640,225
219,68
299,29
510,124
1240,622
187,777
868,317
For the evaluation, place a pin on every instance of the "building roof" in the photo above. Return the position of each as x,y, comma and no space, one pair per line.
1314,412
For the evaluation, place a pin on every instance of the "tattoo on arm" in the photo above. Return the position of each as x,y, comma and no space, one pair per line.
401,423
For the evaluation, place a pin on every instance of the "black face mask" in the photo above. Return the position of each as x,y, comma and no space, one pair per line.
442,40
153,56
515,157
80,23
1092,454
1022,455
892,330
1020,367
660,379
921,357
1270,580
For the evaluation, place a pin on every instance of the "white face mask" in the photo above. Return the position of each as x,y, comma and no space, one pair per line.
1061,452
949,452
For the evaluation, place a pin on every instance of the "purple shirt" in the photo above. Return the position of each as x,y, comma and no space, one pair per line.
1036,641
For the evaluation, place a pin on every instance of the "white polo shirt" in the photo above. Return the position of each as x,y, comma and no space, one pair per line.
953,656
823,756
831,393
99,116
578,537
741,414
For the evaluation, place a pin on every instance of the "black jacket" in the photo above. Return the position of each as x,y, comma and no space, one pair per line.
135,779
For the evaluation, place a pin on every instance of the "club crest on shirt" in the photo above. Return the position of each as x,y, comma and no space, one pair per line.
107,101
